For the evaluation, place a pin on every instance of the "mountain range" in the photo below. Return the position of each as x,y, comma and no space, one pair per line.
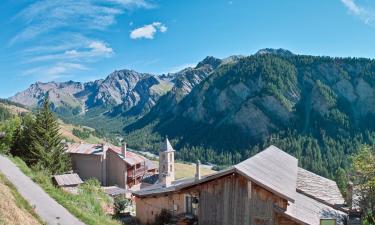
319,109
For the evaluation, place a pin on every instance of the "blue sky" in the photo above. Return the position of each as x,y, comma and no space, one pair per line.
88,39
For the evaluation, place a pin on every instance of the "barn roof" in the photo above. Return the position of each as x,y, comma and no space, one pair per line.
310,196
115,191
67,180
306,210
97,149
180,184
318,187
272,169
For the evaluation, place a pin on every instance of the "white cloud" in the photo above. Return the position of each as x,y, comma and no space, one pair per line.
364,13
91,52
58,34
55,71
148,31
100,47
134,3
44,16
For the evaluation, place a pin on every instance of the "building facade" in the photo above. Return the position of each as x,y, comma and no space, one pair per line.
111,165
266,189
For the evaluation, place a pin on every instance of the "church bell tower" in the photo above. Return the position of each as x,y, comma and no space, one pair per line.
166,163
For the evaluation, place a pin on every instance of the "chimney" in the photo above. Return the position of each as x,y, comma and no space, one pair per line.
349,195
104,148
104,164
198,170
123,149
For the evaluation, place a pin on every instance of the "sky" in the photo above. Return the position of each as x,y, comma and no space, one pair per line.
84,40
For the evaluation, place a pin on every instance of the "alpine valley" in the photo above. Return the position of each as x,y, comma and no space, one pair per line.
320,109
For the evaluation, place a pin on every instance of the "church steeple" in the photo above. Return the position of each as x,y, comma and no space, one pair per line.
166,163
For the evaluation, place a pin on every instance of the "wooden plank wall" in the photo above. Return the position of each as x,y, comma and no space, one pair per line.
234,200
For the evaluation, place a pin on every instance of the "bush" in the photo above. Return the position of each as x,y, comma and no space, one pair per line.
121,203
163,218
83,134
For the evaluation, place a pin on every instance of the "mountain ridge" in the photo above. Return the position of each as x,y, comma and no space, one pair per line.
223,110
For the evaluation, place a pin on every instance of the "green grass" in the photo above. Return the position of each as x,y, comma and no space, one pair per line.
19,200
86,206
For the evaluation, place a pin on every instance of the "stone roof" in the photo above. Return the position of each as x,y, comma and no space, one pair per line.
166,146
271,169
274,170
310,196
306,210
97,149
115,191
318,187
71,179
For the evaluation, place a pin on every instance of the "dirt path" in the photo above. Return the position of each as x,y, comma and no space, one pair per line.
46,207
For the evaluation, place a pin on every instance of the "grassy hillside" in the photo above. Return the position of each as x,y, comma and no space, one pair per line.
14,209
67,131
184,170
86,206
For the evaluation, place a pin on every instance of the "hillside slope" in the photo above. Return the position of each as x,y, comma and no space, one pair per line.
13,208
317,108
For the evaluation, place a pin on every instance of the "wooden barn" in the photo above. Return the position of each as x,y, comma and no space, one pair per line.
268,188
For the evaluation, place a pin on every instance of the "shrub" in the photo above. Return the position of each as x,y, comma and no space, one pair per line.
163,218
121,203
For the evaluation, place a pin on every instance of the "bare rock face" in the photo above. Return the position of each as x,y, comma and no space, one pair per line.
121,90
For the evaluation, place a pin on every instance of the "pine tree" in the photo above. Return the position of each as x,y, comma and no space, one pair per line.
47,150
22,138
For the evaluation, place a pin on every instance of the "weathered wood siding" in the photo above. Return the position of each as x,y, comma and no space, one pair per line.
282,220
148,208
235,200
230,200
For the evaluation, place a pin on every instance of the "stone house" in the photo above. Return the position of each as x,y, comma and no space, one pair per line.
111,165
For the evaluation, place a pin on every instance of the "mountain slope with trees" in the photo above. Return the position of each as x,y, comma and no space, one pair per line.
319,109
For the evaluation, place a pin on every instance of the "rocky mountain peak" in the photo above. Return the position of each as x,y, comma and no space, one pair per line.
209,61
273,51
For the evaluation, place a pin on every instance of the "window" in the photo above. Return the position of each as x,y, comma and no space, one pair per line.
170,157
191,205
188,204
170,168
327,222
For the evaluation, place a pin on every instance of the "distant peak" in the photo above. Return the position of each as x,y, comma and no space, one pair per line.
273,51
211,61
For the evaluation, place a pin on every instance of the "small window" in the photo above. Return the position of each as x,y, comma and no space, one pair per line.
171,168
170,157
327,222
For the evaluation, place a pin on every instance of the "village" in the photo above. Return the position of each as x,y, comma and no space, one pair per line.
157,112
268,188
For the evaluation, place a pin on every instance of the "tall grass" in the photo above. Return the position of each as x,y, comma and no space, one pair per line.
86,206
18,199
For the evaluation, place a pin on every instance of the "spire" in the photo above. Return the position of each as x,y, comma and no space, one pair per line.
166,146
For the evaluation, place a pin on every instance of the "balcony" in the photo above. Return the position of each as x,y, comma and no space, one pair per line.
137,172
